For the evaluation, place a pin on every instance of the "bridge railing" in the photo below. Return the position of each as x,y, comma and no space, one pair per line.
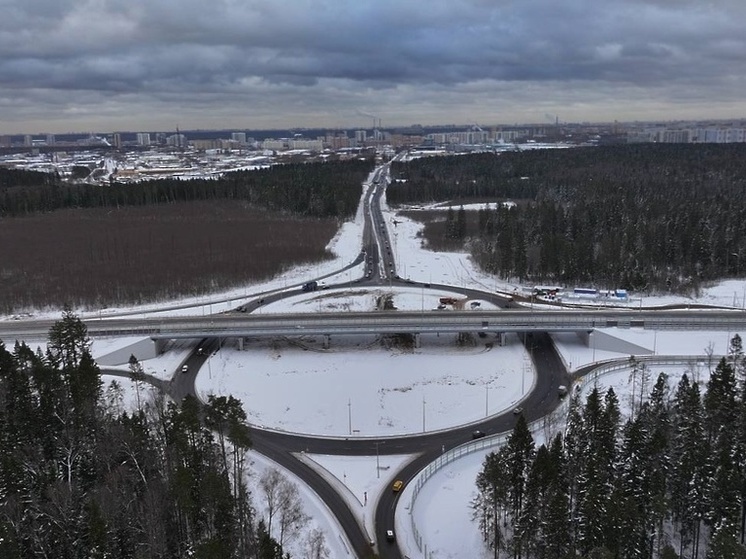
550,424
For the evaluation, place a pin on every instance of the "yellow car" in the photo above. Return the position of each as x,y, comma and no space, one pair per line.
398,484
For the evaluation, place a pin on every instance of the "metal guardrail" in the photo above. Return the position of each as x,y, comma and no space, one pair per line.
550,424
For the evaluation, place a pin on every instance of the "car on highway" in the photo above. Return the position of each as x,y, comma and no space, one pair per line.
478,434
185,368
398,484
518,411
390,535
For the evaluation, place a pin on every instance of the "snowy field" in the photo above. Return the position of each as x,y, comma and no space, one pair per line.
362,389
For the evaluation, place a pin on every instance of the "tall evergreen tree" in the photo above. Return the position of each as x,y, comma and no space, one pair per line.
519,455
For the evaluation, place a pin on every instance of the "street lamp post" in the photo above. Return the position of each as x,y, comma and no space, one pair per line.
349,415
523,379
593,342
378,463
486,400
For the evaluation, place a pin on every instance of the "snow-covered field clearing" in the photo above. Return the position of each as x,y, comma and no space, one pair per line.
358,388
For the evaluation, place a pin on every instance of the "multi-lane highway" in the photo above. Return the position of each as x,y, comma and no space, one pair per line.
380,268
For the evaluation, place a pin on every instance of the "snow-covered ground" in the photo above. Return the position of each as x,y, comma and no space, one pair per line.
358,388
362,389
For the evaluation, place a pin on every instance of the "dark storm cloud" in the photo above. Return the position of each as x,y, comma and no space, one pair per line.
353,52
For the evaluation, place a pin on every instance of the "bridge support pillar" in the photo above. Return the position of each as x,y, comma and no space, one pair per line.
500,336
327,341
417,341
160,346
240,344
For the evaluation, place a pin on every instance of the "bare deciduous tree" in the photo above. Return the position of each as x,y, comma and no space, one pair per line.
316,545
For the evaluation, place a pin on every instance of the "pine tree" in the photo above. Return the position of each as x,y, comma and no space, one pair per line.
492,500
519,454
556,525
68,340
720,399
594,478
688,456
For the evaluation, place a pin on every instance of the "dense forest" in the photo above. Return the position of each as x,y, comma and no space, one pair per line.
668,481
641,217
78,479
319,190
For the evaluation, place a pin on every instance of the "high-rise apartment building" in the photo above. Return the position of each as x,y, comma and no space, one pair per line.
143,139
177,140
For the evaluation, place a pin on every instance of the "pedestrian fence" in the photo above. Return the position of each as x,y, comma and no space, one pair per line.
548,425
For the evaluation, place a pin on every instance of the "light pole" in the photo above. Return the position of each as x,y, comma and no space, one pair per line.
378,463
593,343
523,378
486,400
423,413
349,414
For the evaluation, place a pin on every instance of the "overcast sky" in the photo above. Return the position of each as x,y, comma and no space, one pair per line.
105,65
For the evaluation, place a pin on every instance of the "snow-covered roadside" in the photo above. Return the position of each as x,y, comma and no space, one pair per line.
320,517
415,262
360,480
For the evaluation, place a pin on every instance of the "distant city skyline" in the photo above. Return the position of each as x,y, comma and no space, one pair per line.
141,65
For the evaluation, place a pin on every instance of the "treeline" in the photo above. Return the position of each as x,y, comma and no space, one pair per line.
669,482
79,479
329,189
640,216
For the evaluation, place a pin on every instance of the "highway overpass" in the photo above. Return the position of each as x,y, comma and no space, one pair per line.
390,322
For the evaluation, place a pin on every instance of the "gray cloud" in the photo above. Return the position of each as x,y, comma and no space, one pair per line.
140,64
